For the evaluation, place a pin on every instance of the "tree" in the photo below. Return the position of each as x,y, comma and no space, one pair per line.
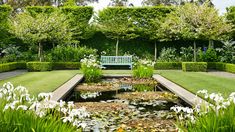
118,2
173,2
116,25
41,29
195,22
230,15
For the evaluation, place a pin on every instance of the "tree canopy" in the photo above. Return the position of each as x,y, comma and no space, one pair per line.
39,30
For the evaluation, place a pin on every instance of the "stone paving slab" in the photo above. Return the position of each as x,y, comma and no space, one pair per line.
61,92
187,96
6,75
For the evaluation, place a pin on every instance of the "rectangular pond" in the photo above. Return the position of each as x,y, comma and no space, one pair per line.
125,103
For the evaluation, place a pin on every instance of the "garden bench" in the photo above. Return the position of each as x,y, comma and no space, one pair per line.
116,60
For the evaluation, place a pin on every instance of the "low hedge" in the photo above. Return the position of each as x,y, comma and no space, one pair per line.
216,66
39,66
66,65
12,66
194,66
168,65
230,68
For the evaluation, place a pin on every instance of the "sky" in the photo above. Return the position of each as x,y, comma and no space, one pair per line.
219,4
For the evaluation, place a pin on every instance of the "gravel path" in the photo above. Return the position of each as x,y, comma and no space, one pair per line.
222,74
6,75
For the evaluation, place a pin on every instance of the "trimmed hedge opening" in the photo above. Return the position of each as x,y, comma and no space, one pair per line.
194,66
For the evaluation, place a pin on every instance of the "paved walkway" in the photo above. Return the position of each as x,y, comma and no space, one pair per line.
222,74
187,96
61,92
6,75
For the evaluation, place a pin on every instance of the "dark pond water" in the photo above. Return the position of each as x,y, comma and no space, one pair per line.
129,105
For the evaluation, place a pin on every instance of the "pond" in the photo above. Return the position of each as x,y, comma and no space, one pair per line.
126,104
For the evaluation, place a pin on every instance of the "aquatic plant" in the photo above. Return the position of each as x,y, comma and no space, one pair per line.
143,69
91,69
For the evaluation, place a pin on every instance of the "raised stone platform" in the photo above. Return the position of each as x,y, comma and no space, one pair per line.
185,95
61,92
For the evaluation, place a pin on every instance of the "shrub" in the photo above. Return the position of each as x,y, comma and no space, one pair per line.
143,69
91,69
168,65
186,54
70,54
39,66
168,55
21,65
66,65
194,66
209,56
227,52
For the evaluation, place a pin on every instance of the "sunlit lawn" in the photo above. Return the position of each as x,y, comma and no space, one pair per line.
38,82
194,81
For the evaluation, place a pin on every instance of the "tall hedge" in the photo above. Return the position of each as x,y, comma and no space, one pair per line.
141,16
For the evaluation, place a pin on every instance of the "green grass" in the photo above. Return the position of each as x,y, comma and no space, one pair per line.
194,81
37,82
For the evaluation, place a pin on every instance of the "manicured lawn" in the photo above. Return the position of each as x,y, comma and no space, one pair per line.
194,81
37,82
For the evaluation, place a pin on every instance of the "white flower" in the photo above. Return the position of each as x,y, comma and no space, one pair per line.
23,107
1,95
83,125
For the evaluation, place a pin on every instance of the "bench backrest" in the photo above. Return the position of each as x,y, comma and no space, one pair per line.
116,59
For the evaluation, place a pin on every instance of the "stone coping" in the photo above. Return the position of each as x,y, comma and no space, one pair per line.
184,94
61,92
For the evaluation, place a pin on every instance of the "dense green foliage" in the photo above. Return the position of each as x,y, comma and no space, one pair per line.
69,53
39,66
194,66
65,65
168,65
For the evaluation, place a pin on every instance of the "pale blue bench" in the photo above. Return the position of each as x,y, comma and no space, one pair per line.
116,61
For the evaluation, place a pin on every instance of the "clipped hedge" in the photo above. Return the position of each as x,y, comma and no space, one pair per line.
168,65
39,66
66,65
216,66
12,66
194,66
230,68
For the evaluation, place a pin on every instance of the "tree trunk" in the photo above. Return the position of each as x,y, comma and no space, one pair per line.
194,51
117,47
211,44
155,51
40,52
